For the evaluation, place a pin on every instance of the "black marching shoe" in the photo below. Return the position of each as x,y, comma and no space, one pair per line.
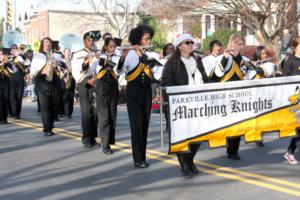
185,172
234,157
88,145
141,165
260,144
194,169
48,133
95,143
107,150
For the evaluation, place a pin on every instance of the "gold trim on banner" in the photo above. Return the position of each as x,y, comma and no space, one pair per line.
284,120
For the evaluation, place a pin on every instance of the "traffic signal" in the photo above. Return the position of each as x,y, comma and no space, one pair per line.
9,12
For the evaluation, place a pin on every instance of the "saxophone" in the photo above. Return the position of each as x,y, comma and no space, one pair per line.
69,79
69,76
49,68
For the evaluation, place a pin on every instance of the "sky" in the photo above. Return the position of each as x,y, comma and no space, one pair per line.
70,5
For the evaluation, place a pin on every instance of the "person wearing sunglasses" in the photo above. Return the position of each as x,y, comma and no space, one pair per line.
184,68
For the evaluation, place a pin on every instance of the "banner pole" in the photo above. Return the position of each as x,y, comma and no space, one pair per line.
161,118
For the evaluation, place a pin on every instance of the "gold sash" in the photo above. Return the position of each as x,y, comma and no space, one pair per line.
234,70
104,71
141,68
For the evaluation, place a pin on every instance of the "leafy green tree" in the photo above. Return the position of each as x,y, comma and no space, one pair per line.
222,35
160,39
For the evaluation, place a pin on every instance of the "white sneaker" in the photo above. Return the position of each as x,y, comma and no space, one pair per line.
291,159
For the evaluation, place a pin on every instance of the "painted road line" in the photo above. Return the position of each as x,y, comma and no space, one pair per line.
225,172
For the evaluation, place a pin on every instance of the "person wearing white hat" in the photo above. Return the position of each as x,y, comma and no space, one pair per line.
184,68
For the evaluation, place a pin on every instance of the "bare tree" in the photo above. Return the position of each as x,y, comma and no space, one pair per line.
265,18
169,9
122,15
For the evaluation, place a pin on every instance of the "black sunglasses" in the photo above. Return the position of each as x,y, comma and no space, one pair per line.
189,42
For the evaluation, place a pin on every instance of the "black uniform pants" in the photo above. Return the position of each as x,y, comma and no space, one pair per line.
4,98
16,92
37,98
68,98
139,99
186,159
107,102
48,96
68,102
292,147
233,145
88,113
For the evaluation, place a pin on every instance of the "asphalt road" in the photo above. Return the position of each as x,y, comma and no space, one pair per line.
36,167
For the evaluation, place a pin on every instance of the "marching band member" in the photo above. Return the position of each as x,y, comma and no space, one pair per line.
58,56
185,68
68,85
6,70
106,36
262,59
139,96
168,50
107,94
45,71
83,65
230,67
17,81
264,68
291,68
210,61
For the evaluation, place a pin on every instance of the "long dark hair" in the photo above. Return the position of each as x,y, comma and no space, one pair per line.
257,53
106,42
165,49
174,59
42,43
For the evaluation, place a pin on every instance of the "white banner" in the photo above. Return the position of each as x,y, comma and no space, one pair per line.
214,112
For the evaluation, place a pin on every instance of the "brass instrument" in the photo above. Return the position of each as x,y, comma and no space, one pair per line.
69,79
71,41
49,68
13,37
4,70
10,58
